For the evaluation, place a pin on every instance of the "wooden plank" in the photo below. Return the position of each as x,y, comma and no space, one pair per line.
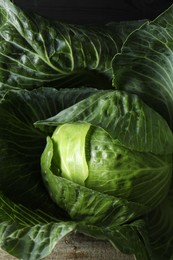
77,246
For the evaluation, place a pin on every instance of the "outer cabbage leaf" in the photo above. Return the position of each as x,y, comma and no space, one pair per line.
29,234
145,65
124,28
124,116
22,145
131,238
160,228
37,52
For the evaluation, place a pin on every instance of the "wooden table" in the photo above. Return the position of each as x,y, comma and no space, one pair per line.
77,246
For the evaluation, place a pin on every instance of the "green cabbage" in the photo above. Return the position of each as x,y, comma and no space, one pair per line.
85,153
106,167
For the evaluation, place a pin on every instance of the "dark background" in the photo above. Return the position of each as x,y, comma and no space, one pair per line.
95,11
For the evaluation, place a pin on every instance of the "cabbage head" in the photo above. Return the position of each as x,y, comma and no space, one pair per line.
111,143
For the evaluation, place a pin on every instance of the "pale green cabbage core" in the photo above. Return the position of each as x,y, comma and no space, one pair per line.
69,151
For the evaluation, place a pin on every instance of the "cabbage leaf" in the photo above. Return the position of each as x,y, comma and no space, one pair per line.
124,116
144,66
35,51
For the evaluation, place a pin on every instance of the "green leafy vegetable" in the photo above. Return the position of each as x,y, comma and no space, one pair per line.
106,168
95,154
